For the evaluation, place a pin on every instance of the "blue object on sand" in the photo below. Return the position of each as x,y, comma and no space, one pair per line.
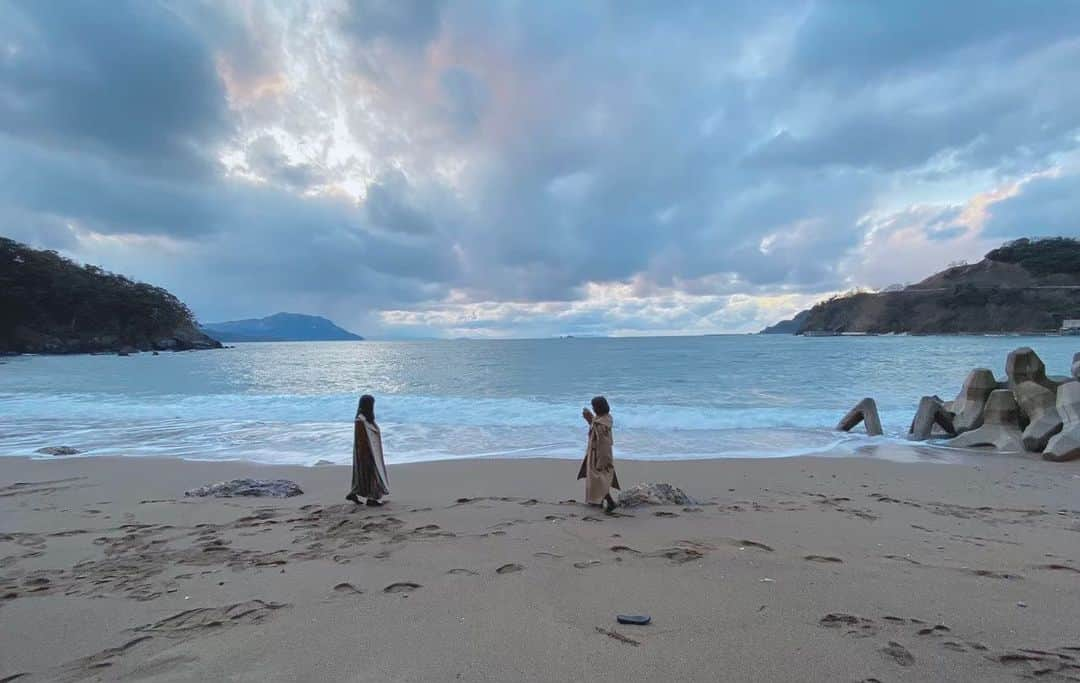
635,619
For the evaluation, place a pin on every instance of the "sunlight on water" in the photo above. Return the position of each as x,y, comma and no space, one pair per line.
739,396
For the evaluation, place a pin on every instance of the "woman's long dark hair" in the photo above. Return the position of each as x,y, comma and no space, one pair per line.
600,406
366,407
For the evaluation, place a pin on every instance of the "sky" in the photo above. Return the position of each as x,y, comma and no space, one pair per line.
420,168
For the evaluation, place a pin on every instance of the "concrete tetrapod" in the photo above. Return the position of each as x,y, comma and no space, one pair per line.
864,411
931,411
1037,403
1066,445
1000,428
1024,365
969,404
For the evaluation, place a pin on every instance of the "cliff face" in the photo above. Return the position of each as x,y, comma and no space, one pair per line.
49,304
1023,286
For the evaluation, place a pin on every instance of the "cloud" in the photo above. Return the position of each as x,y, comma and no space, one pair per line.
128,82
1043,207
513,169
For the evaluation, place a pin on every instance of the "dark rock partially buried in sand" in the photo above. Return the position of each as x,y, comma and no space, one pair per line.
260,488
865,411
1066,445
1001,426
1037,403
654,493
969,404
931,412
58,450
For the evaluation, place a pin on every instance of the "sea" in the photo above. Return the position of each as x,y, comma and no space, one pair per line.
671,397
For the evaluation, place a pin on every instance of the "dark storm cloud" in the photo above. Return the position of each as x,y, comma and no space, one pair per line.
855,41
1044,207
125,80
515,152
102,195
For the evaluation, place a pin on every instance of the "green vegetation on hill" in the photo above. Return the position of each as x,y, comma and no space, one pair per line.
1023,286
1041,257
49,304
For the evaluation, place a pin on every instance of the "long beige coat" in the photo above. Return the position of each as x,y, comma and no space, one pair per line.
598,467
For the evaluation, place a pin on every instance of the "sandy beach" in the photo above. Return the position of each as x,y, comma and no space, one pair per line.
840,569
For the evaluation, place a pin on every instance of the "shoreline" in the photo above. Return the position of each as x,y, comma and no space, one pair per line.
888,448
801,568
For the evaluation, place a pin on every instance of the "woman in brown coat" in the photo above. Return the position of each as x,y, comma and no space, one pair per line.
598,467
368,470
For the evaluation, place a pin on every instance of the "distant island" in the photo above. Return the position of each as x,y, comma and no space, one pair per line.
1027,285
280,327
50,304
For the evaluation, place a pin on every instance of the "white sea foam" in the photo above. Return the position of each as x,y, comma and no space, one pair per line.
671,398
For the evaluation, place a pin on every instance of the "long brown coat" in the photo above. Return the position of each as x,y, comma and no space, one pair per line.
369,478
598,467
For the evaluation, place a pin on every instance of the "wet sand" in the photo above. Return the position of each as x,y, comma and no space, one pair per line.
824,569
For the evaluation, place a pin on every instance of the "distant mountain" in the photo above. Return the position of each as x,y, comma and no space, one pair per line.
1023,286
280,327
49,304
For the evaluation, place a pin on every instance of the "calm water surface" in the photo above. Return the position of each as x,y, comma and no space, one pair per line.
672,398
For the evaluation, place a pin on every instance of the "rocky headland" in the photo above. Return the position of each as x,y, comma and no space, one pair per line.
1022,286
51,305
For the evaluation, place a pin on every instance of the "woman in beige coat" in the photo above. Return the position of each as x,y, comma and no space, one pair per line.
598,467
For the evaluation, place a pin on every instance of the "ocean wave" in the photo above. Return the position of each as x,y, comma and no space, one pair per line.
401,409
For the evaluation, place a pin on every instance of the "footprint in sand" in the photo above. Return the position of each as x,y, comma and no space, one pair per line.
347,588
753,544
857,626
1058,567
664,513
934,630
898,558
208,618
587,564
898,653
462,572
401,587
553,556
990,574
677,555
822,558
509,568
